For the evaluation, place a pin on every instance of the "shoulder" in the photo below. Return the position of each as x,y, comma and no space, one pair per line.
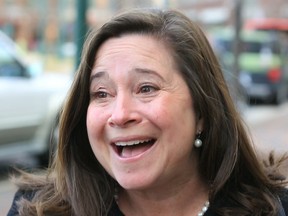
26,194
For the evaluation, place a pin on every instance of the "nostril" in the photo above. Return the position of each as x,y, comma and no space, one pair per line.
121,122
124,114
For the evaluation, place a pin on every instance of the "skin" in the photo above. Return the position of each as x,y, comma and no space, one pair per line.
137,94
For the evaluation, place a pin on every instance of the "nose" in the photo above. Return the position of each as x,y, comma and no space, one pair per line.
124,112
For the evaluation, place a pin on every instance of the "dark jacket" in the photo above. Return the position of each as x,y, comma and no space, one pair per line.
115,211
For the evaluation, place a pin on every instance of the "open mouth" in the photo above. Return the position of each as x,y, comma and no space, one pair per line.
133,148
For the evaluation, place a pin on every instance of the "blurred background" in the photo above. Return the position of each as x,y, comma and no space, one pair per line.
40,49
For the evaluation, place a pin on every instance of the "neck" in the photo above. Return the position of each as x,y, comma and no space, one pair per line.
187,198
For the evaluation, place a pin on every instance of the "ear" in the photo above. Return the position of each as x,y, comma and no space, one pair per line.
200,125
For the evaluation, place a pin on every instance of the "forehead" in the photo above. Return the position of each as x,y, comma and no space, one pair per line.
135,56
134,46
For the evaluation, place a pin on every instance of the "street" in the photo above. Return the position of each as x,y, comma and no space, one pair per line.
268,126
269,129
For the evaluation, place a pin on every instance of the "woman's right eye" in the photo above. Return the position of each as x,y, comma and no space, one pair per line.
100,94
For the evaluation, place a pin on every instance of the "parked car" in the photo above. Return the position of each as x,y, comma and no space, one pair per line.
263,67
30,101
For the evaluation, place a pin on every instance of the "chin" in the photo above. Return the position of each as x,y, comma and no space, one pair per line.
134,182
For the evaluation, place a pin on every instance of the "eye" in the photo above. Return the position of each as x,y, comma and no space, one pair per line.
100,94
147,89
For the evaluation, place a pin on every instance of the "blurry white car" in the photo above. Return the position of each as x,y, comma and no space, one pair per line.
29,104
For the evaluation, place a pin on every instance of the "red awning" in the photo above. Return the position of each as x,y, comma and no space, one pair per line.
267,24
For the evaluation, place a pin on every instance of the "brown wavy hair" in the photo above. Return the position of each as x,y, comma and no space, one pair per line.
76,183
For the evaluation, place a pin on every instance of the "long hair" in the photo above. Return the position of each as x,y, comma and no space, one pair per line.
78,185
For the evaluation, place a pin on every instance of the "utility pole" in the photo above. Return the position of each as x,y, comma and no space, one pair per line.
81,29
237,39
237,49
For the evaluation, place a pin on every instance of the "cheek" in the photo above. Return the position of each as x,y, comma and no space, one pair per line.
174,109
95,122
164,114
90,121
159,112
176,116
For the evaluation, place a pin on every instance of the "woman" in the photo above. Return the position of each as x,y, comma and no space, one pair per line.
149,128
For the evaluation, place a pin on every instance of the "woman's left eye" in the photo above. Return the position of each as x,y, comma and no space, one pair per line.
147,89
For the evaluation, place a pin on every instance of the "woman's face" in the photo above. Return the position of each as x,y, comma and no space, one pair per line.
140,120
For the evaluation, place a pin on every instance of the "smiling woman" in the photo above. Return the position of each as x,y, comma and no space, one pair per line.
145,102
149,128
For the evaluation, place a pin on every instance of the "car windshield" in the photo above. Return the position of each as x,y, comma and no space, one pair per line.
253,47
248,46
9,64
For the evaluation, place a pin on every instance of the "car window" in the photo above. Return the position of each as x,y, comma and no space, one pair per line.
224,45
9,66
258,47
250,46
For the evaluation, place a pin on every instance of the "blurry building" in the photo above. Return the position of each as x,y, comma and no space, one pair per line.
33,23
215,12
275,8
43,25
208,12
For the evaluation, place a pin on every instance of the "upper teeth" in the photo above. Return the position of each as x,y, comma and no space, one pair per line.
130,143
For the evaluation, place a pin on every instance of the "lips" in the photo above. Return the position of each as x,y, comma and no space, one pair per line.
133,148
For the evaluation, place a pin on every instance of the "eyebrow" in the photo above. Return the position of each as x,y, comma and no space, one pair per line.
137,70
147,71
98,75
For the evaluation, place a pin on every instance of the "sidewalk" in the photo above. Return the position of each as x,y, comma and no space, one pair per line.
269,128
257,115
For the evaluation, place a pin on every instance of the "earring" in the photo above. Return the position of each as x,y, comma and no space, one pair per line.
198,141
116,194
